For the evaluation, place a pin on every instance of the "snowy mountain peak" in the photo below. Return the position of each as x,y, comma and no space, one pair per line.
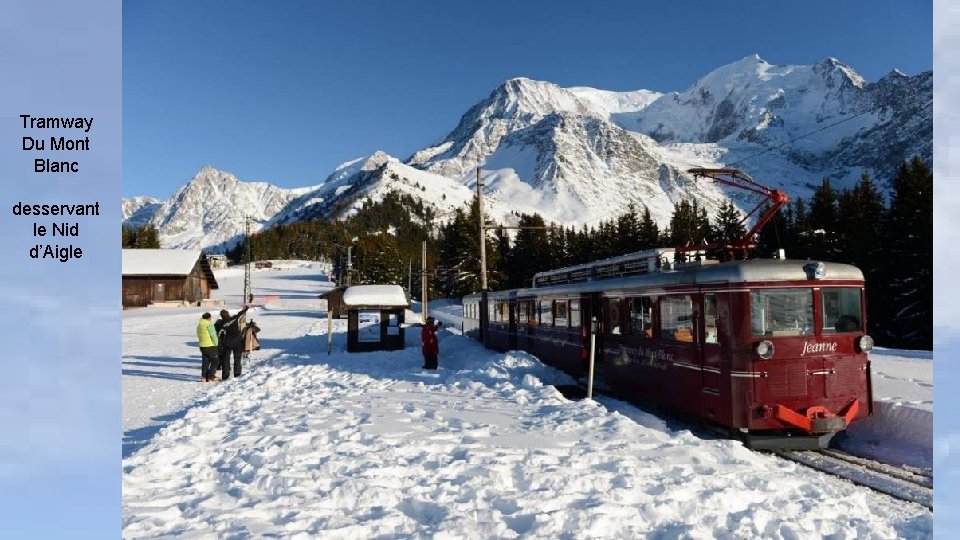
576,155
210,210
839,72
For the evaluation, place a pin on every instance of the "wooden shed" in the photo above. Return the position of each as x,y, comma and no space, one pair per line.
375,315
165,275
334,298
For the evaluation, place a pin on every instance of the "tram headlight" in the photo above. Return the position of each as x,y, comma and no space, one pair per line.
865,344
764,349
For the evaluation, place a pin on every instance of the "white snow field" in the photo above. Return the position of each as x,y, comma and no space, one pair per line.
361,445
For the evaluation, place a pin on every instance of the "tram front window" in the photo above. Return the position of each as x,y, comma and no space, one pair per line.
841,310
781,312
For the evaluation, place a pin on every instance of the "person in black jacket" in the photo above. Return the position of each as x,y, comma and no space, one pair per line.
228,331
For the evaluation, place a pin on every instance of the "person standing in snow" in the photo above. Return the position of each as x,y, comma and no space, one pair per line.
207,337
228,329
250,340
431,345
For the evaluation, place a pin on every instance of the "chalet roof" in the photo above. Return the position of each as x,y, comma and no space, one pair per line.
375,295
164,262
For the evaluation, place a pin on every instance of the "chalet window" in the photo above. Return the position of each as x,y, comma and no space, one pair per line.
546,312
841,310
575,314
641,317
711,332
560,313
676,318
613,326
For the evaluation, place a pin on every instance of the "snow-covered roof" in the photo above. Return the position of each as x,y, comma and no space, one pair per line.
375,295
158,262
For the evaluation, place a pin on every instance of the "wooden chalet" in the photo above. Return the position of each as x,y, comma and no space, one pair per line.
165,275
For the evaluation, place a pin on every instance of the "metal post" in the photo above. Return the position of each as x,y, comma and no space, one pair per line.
423,283
329,328
349,263
246,256
484,313
593,348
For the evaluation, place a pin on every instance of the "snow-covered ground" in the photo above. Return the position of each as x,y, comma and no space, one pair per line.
307,445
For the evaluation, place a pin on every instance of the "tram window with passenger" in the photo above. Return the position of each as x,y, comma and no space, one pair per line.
781,312
710,326
841,310
503,311
613,326
641,317
560,313
676,318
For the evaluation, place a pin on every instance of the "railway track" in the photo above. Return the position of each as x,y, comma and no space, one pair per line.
904,483
901,482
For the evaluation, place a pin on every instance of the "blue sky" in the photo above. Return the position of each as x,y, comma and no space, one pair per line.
286,92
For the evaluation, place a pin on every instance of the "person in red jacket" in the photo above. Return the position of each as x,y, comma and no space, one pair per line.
431,346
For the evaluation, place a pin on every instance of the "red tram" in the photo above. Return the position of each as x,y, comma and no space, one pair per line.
774,349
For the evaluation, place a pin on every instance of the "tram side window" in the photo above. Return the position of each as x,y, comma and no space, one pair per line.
841,310
546,313
531,312
560,313
710,326
641,317
781,312
491,310
676,318
575,314
503,311
613,316
522,312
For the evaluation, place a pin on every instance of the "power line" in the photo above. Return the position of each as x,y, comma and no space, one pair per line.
798,138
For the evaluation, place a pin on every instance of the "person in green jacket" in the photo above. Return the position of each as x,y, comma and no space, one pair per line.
207,336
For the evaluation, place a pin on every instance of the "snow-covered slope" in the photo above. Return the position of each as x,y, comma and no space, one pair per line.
824,118
371,178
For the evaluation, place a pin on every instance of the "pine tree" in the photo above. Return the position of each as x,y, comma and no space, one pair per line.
531,253
728,228
628,231
649,233
909,250
861,215
823,222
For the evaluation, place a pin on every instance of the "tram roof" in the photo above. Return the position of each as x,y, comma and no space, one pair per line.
750,271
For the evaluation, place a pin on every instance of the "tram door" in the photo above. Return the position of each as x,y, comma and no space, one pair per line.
710,368
590,306
512,318
522,324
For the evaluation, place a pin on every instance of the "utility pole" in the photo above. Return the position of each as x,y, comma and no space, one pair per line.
349,263
484,315
423,282
246,256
